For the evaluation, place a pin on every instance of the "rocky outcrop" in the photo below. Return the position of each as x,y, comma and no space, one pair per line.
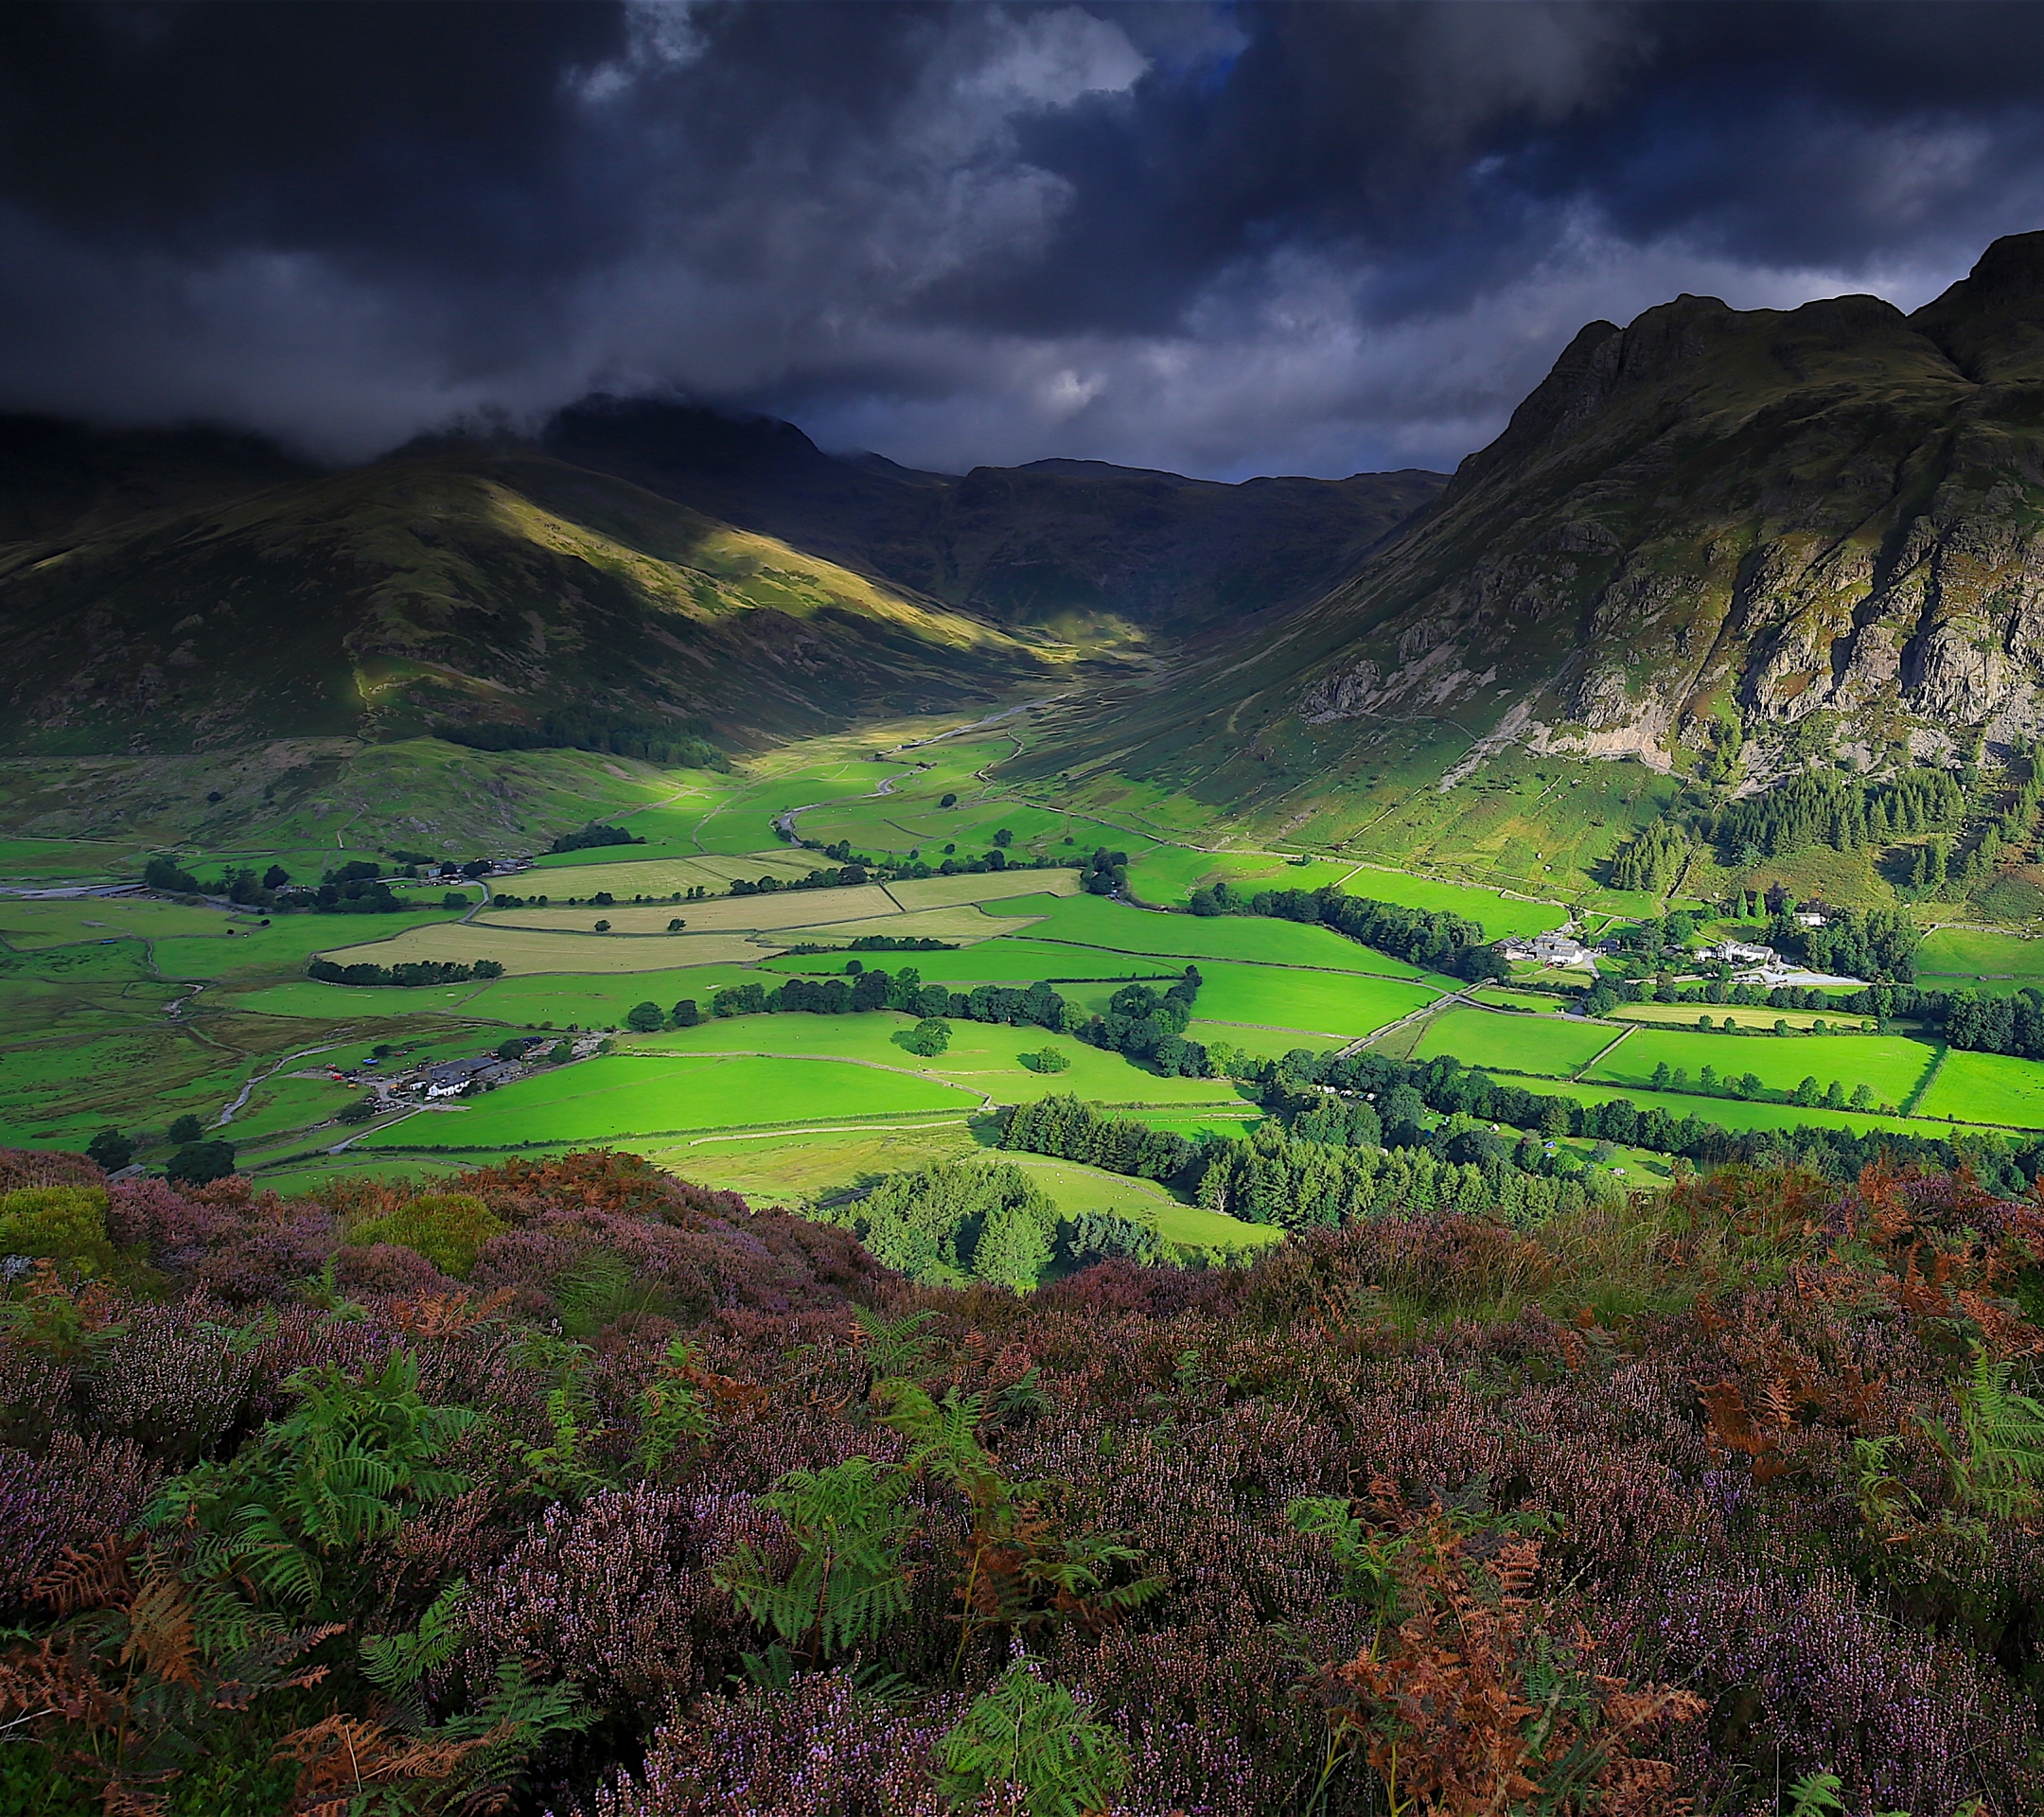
1837,509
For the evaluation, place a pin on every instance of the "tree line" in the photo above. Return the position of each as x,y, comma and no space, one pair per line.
1143,1024
652,742
408,972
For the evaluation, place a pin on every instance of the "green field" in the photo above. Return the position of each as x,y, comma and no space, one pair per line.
1113,926
1498,913
1955,956
1891,1065
1987,1088
1514,1043
620,1096
1739,1114
1316,1002
982,1056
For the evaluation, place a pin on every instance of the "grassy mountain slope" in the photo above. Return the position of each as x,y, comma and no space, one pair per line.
460,585
1710,516
1062,543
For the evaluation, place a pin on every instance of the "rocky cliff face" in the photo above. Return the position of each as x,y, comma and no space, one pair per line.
1716,517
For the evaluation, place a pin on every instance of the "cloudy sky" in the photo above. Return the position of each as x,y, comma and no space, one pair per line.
1223,238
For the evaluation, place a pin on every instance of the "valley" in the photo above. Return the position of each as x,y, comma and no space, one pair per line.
129,1011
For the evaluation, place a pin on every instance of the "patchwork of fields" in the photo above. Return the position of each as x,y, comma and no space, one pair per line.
133,1011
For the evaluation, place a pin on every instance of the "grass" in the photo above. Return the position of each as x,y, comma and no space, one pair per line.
619,1096
959,926
992,885
283,1103
27,926
1500,914
1684,1016
1513,1043
790,909
1986,1088
1075,1188
1741,1114
982,1056
1001,961
584,872
290,941
1113,926
1888,1065
524,953
1955,953
1169,874
1537,1001
1333,1004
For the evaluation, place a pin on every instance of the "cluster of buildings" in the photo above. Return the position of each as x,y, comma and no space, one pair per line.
438,1080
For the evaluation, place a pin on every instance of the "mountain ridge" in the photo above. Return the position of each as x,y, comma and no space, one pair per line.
171,590
1703,528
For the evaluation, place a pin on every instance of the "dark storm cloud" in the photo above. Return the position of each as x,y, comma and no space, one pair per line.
1224,238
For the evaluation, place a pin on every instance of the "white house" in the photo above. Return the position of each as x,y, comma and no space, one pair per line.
1737,952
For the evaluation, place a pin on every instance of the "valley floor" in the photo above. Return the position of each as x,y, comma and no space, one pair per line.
130,1011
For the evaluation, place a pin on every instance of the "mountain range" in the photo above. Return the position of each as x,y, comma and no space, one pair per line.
1712,535
639,565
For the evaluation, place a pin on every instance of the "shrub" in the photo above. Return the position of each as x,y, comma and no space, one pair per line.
110,1150
61,1224
448,1228
199,1163
929,1038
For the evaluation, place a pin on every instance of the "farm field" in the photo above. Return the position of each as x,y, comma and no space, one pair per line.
1314,1002
1740,1113
1112,926
983,1056
523,951
30,925
1499,913
1536,1001
89,982
1890,1065
790,908
620,1096
1514,1043
1986,1088
1955,956
1684,1016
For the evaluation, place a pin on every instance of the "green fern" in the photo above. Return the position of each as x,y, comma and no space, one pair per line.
848,1524
944,1435
1816,1794
561,1469
670,1409
1996,1459
894,1345
292,1509
1029,1732
396,1664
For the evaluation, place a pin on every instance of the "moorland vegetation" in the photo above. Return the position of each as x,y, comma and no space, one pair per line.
578,1485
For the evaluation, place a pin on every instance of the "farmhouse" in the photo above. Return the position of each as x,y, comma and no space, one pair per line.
1740,952
450,1078
1549,949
